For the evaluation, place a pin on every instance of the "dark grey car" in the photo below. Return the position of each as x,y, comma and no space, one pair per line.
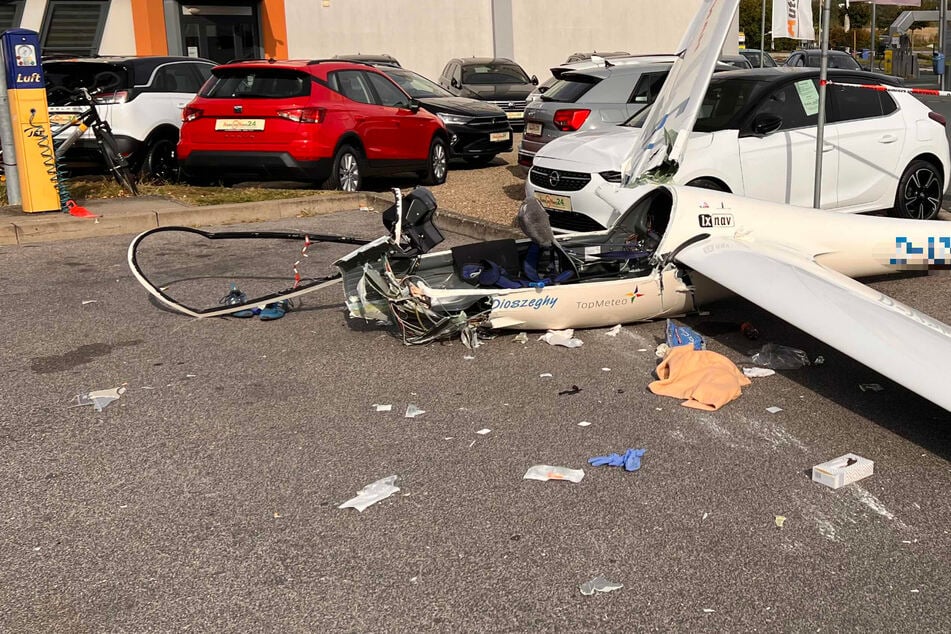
590,97
495,79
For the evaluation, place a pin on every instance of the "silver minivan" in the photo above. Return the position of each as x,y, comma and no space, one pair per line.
592,96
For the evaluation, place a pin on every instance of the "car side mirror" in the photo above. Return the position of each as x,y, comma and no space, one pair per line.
766,122
413,106
535,80
454,82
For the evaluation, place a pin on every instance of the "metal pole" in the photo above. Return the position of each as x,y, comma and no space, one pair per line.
871,55
943,22
762,36
823,72
6,140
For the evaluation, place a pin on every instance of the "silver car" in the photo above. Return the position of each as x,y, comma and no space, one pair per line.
591,96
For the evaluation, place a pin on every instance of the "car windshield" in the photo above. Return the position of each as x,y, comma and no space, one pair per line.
493,74
569,89
415,85
63,78
839,61
256,83
723,101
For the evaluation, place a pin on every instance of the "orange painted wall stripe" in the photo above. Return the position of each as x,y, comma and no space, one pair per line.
274,25
148,21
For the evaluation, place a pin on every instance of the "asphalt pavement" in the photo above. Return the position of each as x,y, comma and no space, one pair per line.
206,497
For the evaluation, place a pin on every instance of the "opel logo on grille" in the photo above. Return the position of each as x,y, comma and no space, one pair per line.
554,178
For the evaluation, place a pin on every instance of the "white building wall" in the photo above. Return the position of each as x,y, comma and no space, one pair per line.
118,36
424,34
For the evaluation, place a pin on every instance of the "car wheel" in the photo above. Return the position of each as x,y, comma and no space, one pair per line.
437,164
159,162
480,160
919,192
708,183
346,173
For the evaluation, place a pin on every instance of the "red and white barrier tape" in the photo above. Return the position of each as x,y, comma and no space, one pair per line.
881,88
303,254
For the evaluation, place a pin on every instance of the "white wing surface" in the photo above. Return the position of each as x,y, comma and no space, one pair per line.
673,114
897,341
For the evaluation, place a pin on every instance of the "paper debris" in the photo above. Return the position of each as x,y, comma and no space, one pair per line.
383,407
583,423
774,409
98,398
564,338
871,387
412,411
642,349
780,520
545,375
605,369
548,472
614,331
755,373
599,584
371,494
468,357
708,610
90,301
483,432
521,337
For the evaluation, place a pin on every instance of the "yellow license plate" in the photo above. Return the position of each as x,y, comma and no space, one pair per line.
552,201
515,115
239,125
498,136
534,128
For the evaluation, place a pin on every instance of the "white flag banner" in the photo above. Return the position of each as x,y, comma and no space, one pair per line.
793,19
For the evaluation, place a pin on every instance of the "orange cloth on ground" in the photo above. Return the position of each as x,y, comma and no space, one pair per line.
707,379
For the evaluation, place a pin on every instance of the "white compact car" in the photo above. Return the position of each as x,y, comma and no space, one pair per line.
756,136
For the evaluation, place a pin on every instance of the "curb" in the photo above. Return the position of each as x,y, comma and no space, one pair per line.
59,226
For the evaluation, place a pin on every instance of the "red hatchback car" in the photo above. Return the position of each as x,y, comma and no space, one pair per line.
325,121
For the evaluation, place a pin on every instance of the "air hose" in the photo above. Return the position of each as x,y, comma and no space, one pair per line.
56,172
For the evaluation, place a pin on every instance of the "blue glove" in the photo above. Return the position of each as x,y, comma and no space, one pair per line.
632,459
611,460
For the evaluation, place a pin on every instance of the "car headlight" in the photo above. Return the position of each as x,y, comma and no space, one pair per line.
611,177
453,119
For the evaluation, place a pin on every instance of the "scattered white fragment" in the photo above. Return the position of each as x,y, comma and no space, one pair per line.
471,444
190,376
413,579
755,373
545,375
708,610
870,387
548,472
599,584
661,350
642,349
705,516
98,398
521,337
412,411
659,409
780,520
774,409
484,431
583,423
371,494
916,590
90,301
605,369
564,338
383,407
614,331
448,437
468,357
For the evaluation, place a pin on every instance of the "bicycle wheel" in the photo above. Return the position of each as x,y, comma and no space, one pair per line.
114,161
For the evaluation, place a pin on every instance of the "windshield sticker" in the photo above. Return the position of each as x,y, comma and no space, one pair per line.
808,96
715,220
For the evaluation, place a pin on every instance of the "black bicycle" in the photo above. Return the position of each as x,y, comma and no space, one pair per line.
89,119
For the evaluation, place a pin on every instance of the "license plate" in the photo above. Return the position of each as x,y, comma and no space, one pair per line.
60,119
534,128
495,137
239,125
552,201
515,115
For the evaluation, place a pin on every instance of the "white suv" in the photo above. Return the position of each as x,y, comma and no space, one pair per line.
140,97
756,137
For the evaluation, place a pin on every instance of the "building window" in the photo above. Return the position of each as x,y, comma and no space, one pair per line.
10,13
73,27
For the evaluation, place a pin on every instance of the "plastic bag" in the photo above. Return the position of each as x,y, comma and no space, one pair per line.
780,357
683,336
